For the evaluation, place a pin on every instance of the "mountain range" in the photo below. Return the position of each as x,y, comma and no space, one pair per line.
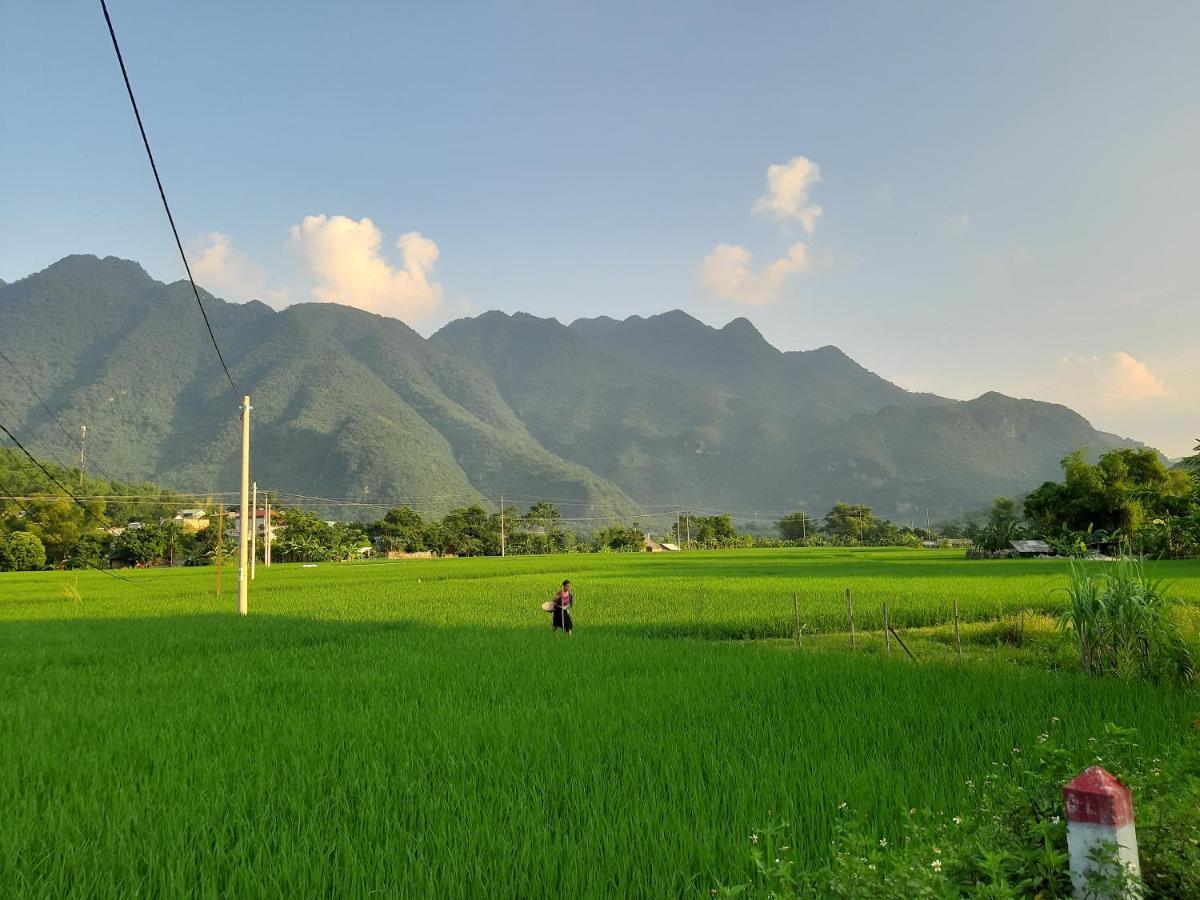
607,418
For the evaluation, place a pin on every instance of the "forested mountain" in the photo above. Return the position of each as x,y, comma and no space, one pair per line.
605,417
737,361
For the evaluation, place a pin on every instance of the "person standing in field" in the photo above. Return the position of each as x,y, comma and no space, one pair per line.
563,601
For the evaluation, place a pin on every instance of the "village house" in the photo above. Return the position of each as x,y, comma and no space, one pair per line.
192,519
652,546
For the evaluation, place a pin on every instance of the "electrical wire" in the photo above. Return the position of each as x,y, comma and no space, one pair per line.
12,437
29,515
73,441
163,194
70,438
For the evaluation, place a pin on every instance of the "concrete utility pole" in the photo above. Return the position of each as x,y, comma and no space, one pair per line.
253,527
219,555
502,548
267,532
243,535
678,533
82,456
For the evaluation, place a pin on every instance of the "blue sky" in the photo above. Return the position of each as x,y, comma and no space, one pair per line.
1007,192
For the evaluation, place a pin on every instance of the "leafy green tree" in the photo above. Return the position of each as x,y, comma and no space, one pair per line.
21,551
1003,525
204,551
1123,491
539,530
469,531
153,543
401,530
714,531
302,536
61,524
620,538
797,526
346,541
850,522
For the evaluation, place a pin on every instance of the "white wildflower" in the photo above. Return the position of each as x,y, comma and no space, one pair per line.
936,865
957,820
883,842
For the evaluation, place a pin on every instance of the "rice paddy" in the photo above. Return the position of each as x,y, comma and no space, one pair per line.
413,728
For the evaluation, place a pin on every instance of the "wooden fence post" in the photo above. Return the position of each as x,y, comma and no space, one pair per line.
796,615
900,641
850,613
887,638
957,637
1099,815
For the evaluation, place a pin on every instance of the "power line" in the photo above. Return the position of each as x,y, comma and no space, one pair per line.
33,519
71,440
12,437
163,194
168,498
57,421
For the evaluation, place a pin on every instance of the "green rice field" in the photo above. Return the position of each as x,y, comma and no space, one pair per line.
414,729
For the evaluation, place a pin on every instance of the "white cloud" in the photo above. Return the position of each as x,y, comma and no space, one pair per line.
344,257
787,192
228,272
726,273
1112,378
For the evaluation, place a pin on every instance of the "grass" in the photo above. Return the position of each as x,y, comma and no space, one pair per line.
413,728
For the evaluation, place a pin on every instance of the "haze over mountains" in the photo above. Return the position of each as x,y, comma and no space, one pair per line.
606,418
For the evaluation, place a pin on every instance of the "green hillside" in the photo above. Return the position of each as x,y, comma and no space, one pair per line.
736,360
606,418
347,405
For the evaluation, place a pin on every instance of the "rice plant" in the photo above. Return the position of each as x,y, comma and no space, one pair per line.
413,729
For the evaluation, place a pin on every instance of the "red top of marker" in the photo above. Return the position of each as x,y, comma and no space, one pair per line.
1099,798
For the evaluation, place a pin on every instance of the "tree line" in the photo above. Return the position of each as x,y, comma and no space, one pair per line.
1128,497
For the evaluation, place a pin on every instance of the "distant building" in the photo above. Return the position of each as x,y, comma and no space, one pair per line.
652,546
234,528
1031,548
192,519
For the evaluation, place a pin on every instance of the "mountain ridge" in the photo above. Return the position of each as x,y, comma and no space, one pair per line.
607,417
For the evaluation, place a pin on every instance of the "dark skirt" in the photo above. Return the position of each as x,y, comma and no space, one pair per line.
561,619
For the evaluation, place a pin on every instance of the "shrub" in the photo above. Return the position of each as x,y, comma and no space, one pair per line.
1122,622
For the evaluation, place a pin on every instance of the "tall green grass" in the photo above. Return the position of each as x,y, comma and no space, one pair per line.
415,730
